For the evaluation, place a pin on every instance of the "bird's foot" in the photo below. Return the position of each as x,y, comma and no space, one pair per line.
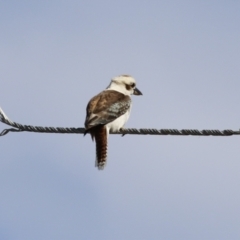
122,130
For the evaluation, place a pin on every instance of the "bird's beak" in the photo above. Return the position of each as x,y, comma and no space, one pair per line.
136,92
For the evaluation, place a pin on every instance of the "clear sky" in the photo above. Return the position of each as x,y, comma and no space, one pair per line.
185,57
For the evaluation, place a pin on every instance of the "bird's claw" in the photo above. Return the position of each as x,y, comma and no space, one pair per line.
122,130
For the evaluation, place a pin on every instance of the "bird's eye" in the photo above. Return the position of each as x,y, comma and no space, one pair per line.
130,86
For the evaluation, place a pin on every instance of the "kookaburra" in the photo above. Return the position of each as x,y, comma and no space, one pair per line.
108,112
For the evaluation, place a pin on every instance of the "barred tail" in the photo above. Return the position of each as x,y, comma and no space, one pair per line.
100,135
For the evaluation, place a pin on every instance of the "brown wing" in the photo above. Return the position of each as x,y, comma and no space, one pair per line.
106,107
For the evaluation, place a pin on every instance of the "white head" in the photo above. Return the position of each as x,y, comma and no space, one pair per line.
124,84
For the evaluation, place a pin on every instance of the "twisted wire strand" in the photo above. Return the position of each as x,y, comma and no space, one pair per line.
143,131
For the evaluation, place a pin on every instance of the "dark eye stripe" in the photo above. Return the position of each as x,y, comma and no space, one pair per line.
128,87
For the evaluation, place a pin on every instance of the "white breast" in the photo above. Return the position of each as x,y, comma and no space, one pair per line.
118,123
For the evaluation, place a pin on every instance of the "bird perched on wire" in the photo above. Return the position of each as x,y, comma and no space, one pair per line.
109,111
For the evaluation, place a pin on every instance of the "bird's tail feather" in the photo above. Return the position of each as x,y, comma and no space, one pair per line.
100,135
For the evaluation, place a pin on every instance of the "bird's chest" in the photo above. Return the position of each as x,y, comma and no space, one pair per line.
118,123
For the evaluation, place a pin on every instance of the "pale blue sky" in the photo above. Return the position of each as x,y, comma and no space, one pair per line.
185,56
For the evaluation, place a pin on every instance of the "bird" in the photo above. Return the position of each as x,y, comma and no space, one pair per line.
107,112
